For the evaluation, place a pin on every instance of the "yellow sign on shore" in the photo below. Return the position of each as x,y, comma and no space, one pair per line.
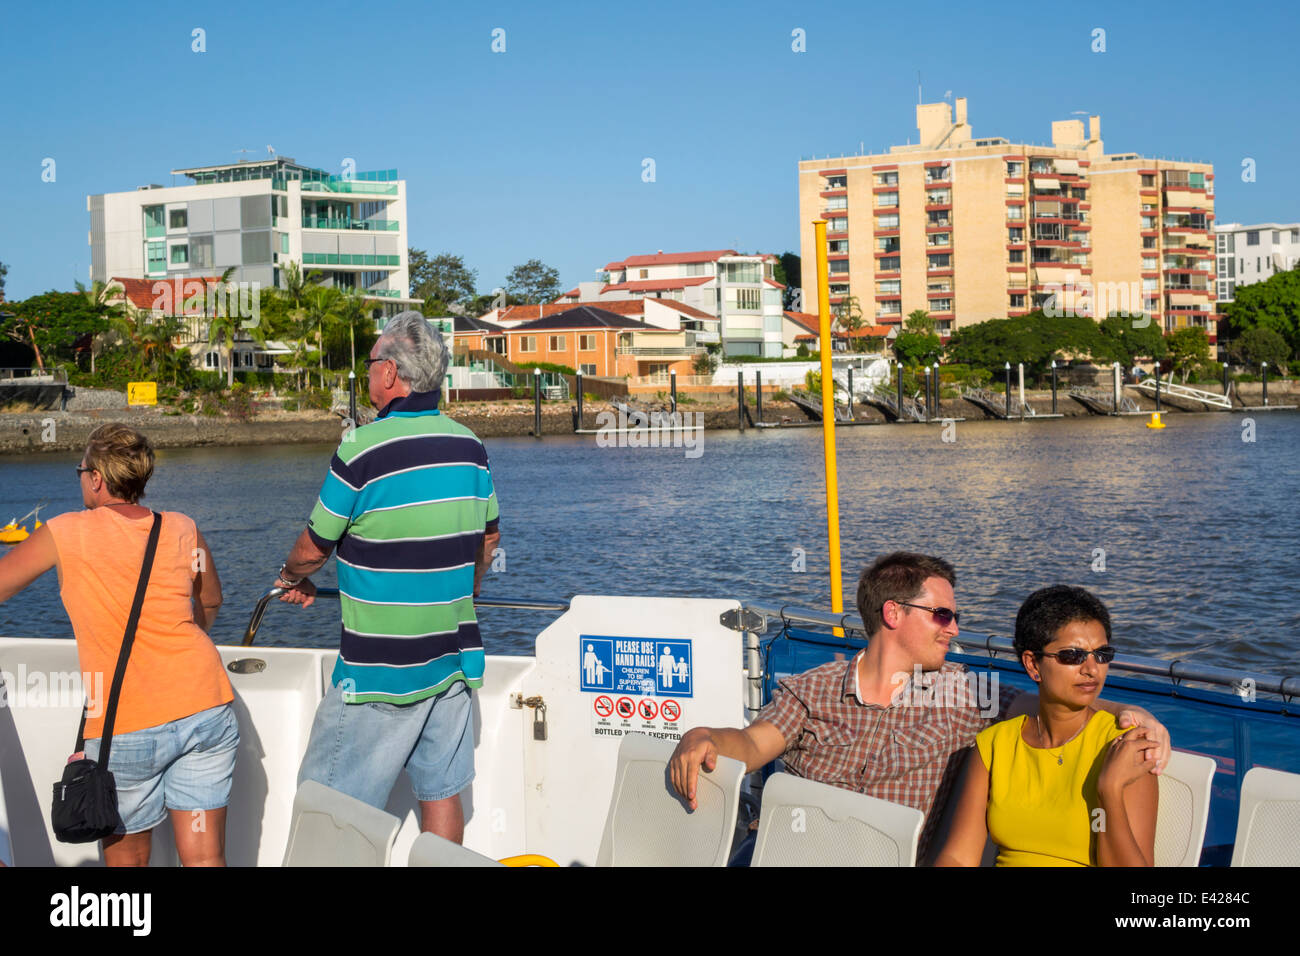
142,393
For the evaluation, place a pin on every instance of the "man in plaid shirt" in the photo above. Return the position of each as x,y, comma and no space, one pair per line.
868,724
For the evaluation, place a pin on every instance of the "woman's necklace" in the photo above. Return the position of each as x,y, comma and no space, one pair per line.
1060,758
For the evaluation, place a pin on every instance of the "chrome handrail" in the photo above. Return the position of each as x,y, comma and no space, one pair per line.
259,610
1286,686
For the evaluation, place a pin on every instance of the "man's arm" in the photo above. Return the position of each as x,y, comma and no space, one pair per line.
1126,715
305,559
484,558
757,745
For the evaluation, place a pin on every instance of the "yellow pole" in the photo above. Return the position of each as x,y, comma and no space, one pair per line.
828,421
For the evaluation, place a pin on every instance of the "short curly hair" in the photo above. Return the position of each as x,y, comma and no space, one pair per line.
123,457
1048,610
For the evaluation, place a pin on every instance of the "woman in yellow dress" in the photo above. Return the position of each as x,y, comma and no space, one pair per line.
1064,787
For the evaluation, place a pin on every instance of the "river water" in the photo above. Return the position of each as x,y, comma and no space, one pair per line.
1189,534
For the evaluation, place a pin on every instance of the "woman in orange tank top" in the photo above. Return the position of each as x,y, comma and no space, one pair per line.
175,733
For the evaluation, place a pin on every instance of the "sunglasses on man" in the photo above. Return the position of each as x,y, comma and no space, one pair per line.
943,616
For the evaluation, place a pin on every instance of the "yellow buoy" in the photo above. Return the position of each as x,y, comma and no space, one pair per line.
1155,421
13,533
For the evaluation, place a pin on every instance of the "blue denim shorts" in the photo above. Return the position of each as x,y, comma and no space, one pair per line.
360,749
184,764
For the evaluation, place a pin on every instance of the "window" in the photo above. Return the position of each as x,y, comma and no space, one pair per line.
888,244
1150,262
1016,255
153,221
557,343
889,307
1015,213
940,217
938,239
838,267
1295,236
212,360
645,273
528,343
837,203
836,182
1016,234
943,326
1277,237
887,179
888,264
1148,222
155,256
587,369
837,247
1017,300
697,268
1015,169
177,218
1149,284
752,298
887,221
586,343
1148,181
838,224
1232,289
1252,237
941,305
886,200
939,261
1015,190
839,288
938,197
1148,242
1223,290
889,287
742,271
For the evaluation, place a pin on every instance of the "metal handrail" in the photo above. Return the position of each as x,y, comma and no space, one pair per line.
259,610
993,646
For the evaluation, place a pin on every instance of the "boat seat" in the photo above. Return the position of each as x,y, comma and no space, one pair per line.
1268,823
650,825
805,823
429,849
329,828
1184,809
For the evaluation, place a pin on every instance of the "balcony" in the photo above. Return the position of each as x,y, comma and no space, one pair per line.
661,351
369,225
354,186
357,261
382,293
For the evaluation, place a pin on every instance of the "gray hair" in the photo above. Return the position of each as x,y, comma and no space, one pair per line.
416,349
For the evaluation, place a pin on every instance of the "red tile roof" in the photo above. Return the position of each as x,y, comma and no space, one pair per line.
774,283
529,313
167,295
807,320
657,285
672,258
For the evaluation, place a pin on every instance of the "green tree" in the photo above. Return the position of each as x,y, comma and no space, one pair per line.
52,323
1034,339
1272,304
103,300
534,281
788,271
442,281
1121,340
918,343
1260,345
320,312
1188,348
847,315
4,271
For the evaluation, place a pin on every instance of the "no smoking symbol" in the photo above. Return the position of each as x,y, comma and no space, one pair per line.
604,706
670,710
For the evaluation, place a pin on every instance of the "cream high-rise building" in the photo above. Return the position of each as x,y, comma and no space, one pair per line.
971,229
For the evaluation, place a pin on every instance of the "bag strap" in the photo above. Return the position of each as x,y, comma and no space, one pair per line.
110,714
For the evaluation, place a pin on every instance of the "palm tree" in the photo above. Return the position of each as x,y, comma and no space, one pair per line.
102,299
321,306
354,312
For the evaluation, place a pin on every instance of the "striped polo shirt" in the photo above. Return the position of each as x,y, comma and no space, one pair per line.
407,501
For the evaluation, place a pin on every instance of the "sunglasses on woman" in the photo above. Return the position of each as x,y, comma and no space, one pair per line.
1074,656
943,616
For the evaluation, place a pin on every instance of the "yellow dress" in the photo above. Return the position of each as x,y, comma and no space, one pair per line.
1041,812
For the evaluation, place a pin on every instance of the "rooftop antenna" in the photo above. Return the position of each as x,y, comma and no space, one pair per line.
270,150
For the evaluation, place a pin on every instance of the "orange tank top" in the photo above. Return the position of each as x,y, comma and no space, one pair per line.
174,669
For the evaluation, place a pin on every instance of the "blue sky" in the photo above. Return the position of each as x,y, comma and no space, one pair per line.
537,151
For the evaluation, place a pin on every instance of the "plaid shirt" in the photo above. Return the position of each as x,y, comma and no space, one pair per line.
909,752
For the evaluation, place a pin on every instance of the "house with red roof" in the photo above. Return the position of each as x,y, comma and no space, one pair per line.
739,292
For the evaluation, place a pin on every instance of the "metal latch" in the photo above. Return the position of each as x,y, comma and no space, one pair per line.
743,619
539,713
247,665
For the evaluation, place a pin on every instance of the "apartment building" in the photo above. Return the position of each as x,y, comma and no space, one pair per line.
738,292
257,215
970,229
1249,254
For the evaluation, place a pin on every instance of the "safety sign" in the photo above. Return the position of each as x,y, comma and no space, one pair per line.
644,667
614,717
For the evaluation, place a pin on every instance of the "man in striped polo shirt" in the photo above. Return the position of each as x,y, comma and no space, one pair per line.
409,503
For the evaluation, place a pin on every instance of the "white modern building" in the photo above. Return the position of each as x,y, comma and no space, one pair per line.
258,215
739,290
1249,254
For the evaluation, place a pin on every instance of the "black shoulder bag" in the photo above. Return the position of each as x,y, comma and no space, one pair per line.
85,800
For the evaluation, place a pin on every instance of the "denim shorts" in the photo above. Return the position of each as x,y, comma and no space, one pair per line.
360,749
184,764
